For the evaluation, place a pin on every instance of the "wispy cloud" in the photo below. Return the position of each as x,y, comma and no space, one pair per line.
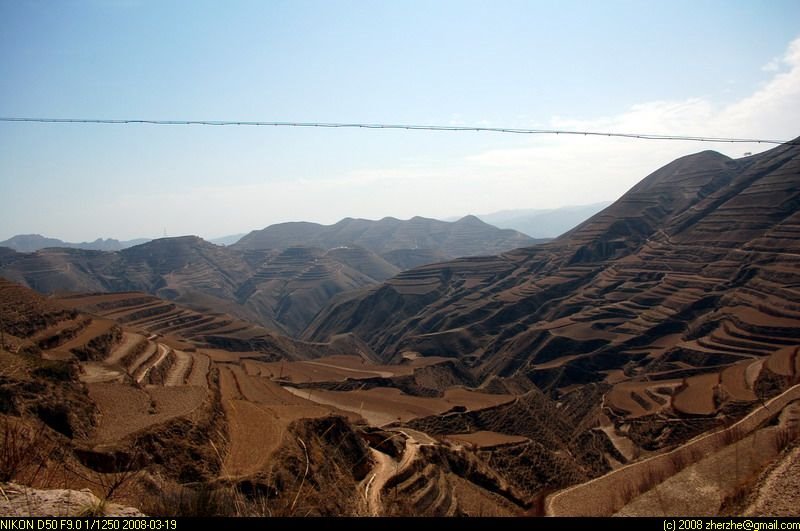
548,171
773,65
565,169
542,171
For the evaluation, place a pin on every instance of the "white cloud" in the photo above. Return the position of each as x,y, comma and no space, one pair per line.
568,169
773,65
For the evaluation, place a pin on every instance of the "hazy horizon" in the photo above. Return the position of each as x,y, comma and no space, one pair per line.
733,70
247,230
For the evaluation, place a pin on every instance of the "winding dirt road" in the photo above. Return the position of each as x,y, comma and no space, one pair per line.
386,468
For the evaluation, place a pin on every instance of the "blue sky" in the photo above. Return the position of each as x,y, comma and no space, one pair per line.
723,68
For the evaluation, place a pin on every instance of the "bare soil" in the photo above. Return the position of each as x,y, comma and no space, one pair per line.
125,409
485,439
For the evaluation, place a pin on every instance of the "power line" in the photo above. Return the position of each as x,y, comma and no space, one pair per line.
342,125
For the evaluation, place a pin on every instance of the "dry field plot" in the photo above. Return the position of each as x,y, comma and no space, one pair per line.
198,375
125,409
97,372
255,432
752,371
258,413
735,382
383,405
640,398
226,356
624,445
485,439
100,298
697,398
783,361
236,384
96,328
180,369
755,317
334,369
129,343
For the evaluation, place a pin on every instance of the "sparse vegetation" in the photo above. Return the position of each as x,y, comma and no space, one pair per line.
631,354
24,450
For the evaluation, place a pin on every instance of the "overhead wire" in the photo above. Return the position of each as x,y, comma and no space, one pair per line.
411,127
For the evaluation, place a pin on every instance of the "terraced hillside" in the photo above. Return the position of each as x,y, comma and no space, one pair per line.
653,348
281,291
281,287
83,390
182,328
677,303
691,269
130,391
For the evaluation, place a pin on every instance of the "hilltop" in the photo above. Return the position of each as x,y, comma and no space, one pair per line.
279,278
653,345
397,241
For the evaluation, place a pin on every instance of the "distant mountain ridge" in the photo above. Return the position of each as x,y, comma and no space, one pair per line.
281,284
28,243
692,270
392,238
281,289
544,223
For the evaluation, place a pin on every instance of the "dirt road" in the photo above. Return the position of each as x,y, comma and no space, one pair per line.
386,468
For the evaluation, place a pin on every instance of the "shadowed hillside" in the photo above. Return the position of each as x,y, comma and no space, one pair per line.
690,268
279,290
281,279
652,345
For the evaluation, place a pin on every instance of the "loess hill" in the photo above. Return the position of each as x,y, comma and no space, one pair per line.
693,269
650,353
393,239
280,282
675,310
155,406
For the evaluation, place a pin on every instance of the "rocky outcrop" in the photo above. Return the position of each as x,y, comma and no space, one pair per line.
19,500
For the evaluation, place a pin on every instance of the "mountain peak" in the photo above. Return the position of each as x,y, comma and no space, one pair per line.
471,219
467,237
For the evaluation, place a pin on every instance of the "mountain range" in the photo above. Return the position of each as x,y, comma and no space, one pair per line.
391,237
28,243
543,222
693,268
646,362
279,277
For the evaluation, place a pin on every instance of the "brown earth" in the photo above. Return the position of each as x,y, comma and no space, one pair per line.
651,348
381,406
776,494
690,270
280,282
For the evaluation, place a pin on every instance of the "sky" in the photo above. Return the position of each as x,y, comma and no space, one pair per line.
727,68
